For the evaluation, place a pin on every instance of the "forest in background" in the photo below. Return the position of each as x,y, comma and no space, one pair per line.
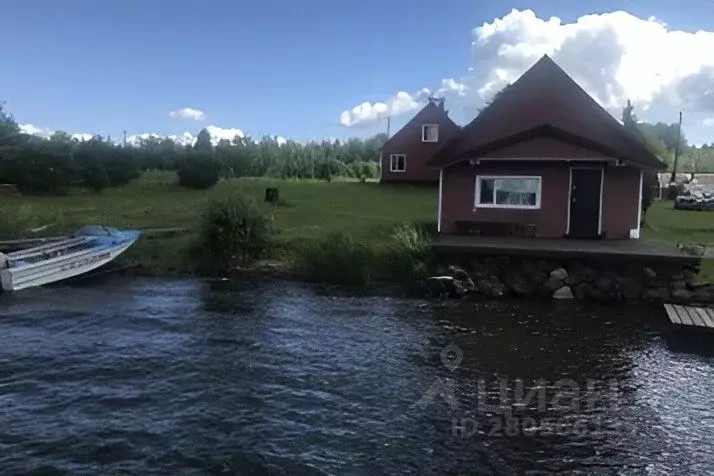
58,163
55,164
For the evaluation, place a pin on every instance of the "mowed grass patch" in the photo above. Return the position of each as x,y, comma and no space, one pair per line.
307,208
665,225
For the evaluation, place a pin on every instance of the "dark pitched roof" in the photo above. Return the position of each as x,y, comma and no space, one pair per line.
434,106
545,101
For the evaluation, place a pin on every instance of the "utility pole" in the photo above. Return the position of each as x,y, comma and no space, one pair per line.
673,177
389,122
124,138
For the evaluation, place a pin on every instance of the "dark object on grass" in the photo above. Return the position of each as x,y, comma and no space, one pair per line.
272,195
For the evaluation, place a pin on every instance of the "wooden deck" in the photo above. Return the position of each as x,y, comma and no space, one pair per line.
637,250
692,316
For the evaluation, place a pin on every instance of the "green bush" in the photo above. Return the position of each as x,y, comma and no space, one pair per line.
235,231
339,259
199,170
674,190
407,255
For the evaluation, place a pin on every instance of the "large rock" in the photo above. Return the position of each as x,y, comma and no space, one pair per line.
491,287
457,272
462,278
678,284
604,284
703,294
444,286
544,265
563,293
682,296
650,274
520,285
658,294
552,284
529,267
582,291
631,288
559,273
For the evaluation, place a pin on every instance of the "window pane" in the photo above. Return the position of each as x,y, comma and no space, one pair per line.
516,191
486,194
431,133
397,163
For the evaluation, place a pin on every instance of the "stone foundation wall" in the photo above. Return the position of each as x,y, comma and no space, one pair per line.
608,281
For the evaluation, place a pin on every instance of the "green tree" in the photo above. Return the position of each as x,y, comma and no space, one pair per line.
629,121
203,141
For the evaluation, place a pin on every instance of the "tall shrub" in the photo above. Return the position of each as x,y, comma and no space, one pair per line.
235,231
199,170
338,258
407,255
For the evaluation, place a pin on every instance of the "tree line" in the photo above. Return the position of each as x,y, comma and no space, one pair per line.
55,164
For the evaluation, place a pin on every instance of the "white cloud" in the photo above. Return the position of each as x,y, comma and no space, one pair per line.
366,112
188,113
184,139
46,133
614,56
187,138
450,85
281,140
82,137
218,133
34,130
709,121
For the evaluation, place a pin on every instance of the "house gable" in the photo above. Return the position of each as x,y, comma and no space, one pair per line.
408,143
545,102
430,114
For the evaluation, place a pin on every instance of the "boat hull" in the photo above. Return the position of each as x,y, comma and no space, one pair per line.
60,268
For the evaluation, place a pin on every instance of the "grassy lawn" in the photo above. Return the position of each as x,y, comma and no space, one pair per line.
307,209
368,211
666,225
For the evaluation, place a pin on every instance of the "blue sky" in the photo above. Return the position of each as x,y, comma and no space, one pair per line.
285,67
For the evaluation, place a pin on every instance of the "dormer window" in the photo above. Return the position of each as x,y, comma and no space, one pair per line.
430,133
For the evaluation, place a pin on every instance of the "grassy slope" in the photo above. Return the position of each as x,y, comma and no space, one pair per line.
366,210
154,201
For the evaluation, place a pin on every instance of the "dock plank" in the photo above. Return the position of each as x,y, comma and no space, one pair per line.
696,320
692,316
672,314
710,313
704,317
683,315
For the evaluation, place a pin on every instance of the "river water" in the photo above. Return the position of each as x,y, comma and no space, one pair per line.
151,376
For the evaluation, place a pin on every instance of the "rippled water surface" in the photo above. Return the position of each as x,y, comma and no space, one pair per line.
141,376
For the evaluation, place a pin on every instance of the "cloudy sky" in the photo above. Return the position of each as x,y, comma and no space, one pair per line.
319,69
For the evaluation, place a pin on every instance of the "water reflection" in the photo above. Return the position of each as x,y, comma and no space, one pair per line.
149,375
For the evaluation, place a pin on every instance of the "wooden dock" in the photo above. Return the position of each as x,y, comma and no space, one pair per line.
563,248
692,316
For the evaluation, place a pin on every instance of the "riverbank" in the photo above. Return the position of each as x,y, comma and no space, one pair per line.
308,212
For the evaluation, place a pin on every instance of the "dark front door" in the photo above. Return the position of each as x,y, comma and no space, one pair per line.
585,189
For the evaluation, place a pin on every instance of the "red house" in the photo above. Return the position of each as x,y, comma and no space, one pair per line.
406,153
543,160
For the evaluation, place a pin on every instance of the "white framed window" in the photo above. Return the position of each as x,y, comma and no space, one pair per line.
508,191
430,133
397,163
